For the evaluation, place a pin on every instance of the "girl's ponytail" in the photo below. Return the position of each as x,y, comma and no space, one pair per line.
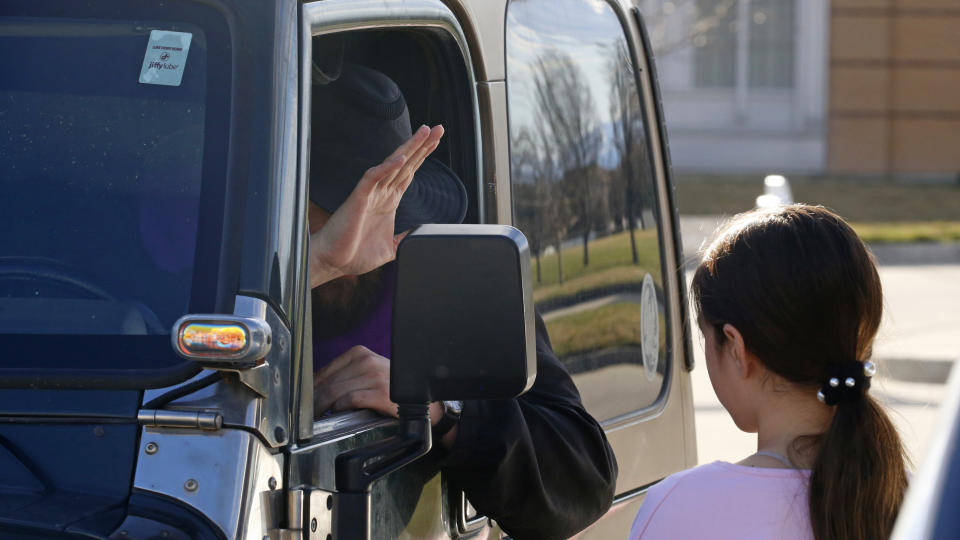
804,292
858,478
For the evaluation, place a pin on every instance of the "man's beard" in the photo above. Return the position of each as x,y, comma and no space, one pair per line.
340,304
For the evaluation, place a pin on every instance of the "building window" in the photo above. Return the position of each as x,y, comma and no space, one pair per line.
715,44
760,56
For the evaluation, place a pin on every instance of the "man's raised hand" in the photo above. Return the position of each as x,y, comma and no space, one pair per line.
359,237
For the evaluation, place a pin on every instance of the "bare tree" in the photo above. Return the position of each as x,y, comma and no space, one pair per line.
531,176
566,107
555,192
627,136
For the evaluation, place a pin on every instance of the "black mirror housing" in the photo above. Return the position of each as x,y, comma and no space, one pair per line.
463,322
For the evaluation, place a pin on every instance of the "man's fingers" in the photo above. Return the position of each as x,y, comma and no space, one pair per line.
397,166
326,394
363,392
371,366
403,177
336,365
412,144
366,399
405,174
382,174
423,140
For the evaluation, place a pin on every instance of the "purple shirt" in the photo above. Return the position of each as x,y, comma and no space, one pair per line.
373,331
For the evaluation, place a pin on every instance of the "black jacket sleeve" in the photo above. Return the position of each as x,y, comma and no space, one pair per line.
539,464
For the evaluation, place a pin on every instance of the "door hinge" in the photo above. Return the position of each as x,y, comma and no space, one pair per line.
309,515
205,420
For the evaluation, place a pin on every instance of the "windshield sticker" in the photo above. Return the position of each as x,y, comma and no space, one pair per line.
649,327
165,58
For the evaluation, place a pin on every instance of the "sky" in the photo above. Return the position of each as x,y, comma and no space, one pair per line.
587,31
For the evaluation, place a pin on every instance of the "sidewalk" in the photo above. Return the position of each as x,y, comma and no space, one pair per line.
918,341
912,407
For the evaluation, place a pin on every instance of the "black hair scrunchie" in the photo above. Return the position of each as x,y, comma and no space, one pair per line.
847,382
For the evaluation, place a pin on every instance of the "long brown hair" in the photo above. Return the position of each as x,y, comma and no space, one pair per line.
802,289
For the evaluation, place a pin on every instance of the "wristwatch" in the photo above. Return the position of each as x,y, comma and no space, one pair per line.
450,418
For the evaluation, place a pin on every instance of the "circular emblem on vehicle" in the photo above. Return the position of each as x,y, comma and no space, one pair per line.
649,327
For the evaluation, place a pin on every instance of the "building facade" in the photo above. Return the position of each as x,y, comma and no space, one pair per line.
820,87
895,87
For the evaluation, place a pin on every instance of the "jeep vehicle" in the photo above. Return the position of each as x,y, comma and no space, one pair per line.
155,317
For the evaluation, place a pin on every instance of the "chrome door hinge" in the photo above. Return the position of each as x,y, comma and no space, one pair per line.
309,515
155,418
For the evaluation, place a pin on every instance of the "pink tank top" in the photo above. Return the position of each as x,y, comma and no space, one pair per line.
721,500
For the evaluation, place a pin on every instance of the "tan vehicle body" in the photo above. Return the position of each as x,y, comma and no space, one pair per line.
650,443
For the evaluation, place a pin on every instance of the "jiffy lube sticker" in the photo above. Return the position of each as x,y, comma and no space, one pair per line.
649,327
165,58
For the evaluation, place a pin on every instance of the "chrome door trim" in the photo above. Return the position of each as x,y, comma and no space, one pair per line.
341,422
331,16
496,138
312,462
289,206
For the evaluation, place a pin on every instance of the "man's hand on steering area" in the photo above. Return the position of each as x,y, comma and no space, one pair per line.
360,379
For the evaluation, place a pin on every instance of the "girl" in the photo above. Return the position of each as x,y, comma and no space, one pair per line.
789,302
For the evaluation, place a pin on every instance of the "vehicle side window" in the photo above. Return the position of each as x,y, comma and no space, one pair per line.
430,71
584,195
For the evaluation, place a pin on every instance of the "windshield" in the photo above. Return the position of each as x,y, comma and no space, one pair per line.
104,130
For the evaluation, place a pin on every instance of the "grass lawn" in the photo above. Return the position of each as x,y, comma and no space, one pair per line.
620,275
880,211
860,201
607,326
605,253
611,263
888,233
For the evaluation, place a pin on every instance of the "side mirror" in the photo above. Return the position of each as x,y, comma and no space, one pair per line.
463,323
462,329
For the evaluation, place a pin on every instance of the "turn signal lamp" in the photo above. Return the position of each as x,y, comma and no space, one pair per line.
228,339
223,341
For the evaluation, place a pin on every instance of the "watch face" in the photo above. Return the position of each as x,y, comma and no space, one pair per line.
455,407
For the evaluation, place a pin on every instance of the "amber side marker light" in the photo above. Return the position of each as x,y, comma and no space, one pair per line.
208,339
222,341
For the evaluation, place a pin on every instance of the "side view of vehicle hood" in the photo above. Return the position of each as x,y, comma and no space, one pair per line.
66,461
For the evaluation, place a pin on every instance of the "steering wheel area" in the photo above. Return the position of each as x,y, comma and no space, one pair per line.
39,269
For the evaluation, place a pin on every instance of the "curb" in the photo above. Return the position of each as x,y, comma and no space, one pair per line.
916,371
914,254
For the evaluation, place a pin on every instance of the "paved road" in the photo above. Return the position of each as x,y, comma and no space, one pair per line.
921,313
917,343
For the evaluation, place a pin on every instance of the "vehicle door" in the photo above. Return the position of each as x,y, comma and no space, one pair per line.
591,191
421,45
